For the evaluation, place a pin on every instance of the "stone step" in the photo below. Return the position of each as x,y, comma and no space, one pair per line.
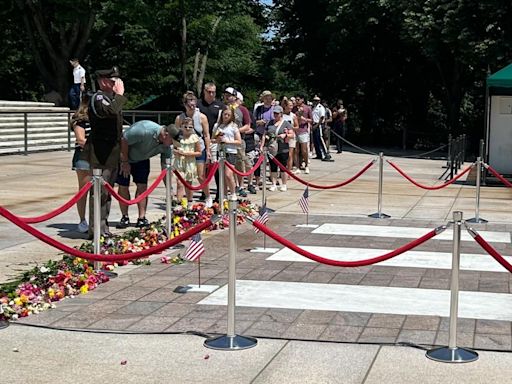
32,110
19,144
30,104
8,134
31,124
39,117
34,148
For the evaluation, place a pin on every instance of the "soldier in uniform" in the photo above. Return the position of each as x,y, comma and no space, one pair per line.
103,146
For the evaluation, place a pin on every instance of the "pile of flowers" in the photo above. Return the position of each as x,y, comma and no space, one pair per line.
38,288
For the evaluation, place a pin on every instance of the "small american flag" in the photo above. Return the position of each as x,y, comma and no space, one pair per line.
263,216
195,248
304,201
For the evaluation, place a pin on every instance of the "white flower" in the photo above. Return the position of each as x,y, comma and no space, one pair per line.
15,316
43,269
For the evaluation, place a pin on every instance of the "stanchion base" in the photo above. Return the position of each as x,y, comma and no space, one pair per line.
263,250
195,288
4,324
452,355
110,274
379,216
475,220
177,246
231,343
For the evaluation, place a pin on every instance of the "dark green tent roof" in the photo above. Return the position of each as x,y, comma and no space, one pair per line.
501,79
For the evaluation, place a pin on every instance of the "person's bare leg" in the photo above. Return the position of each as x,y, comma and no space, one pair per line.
124,192
83,178
142,205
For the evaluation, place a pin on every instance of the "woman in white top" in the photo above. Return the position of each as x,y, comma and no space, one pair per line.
289,116
227,135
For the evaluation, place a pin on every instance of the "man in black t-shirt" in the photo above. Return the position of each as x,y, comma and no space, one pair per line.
212,108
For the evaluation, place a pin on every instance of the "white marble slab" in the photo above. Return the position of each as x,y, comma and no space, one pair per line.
263,250
405,232
414,259
358,298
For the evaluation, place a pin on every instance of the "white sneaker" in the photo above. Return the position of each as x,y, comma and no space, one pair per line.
306,171
83,226
233,197
296,171
272,188
208,202
283,188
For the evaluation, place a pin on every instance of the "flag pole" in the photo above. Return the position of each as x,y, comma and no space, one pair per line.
199,271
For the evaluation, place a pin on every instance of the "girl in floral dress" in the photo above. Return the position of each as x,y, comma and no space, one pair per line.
185,152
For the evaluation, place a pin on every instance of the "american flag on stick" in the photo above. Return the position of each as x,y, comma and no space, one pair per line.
263,216
195,248
304,200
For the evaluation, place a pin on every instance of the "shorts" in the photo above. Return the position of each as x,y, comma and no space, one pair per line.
292,143
77,164
303,137
139,172
231,158
202,157
245,161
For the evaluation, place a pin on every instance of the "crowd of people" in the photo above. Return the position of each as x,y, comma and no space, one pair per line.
289,129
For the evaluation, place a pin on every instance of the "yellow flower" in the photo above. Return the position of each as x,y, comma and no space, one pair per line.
51,293
17,301
24,298
184,202
84,288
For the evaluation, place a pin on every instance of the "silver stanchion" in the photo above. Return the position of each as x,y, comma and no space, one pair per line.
96,177
264,177
452,353
477,218
3,323
222,175
168,198
379,214
231,341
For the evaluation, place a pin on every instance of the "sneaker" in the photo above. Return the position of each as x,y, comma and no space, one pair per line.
83,226
124,222
296,171
142,222
251,189
272,188
241,192
232,197
208,202
283,188
306,170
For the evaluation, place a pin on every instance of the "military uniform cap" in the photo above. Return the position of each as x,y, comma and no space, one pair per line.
111,72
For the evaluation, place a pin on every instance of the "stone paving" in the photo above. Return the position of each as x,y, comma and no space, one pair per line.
143,299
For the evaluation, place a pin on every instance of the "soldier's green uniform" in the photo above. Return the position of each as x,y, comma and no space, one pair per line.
102,149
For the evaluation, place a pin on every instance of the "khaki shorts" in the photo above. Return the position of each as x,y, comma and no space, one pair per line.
245,161
292,143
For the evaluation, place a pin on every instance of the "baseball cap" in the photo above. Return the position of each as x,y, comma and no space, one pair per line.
231,91
278,109
316,98
111,72
239,96
266,93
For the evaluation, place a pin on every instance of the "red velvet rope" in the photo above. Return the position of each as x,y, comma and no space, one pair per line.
142,196
187,185
249,172
336,263
343,183
98,257
491,251
501,178
428,187
58,211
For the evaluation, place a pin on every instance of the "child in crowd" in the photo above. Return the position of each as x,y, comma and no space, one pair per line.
185,153
228,137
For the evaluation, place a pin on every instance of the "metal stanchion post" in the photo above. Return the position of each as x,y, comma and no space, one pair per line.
231,341
96,173
222,180
452,353
168,198
264,177
379,214
482,157
477,218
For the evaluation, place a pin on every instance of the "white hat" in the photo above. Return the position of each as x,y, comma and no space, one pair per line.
239,96
231,91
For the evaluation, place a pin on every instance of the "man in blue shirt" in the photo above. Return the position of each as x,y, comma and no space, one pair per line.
139,143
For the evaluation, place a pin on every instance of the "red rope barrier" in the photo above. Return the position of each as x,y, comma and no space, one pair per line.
490,250
501,178
58,211
98,257
142,196
187,185
350,264
428,187
249,172
343,183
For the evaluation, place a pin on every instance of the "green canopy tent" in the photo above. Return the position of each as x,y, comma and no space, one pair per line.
498,111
